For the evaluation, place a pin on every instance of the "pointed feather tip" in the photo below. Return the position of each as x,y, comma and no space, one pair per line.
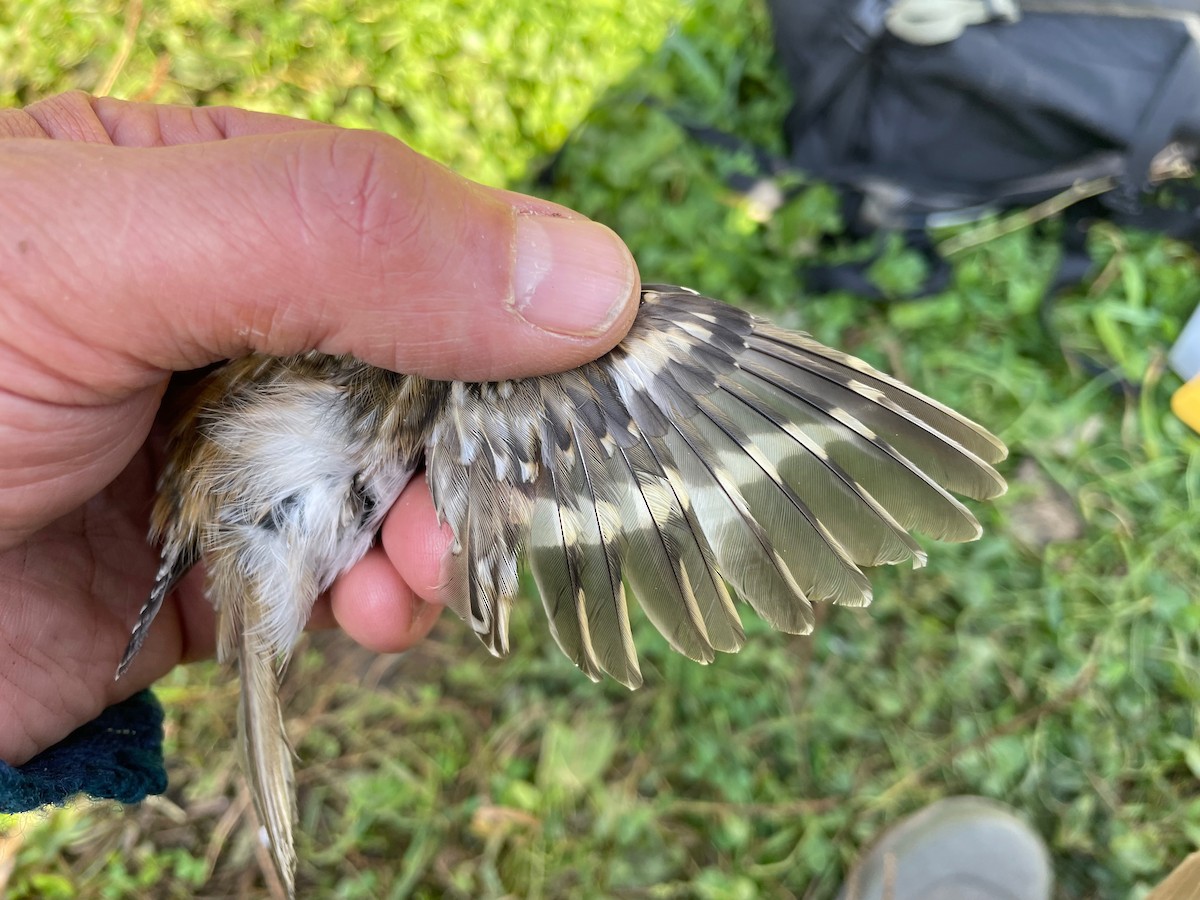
862,601
1001,449
806,626
136,638
1000,489
494,636
131,650
998,486
631,677
282,866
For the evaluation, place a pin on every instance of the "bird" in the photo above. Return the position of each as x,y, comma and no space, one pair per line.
709,455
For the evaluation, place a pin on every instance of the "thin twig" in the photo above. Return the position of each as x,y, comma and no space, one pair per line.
133,18
234,813
1081,190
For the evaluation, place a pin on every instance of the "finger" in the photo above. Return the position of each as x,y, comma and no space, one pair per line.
415,541
156,125
377,609
76,116
126,262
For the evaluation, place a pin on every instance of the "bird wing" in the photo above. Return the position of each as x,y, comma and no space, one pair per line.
708,448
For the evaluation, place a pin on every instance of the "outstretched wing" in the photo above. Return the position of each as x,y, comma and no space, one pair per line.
709,447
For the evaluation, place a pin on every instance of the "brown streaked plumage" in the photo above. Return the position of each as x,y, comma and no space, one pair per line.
709,447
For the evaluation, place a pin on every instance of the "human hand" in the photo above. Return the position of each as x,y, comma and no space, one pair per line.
142,240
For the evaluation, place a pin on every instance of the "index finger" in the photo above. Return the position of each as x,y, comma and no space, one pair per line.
76,116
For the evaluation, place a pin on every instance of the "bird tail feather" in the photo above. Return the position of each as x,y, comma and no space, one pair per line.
268,761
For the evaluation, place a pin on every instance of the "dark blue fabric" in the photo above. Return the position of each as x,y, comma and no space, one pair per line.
117,756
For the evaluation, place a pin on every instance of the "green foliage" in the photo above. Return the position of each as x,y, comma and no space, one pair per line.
485,86
1052,665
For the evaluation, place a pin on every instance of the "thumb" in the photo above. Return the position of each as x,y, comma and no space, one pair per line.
124,262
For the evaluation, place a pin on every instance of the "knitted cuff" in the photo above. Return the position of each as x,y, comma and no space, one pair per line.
117,756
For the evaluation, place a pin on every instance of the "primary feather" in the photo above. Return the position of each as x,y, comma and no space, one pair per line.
708,448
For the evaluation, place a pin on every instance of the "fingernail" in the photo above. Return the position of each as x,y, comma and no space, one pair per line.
571,276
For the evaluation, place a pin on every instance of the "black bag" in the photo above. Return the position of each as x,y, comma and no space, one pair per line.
938,110
935,112
927,113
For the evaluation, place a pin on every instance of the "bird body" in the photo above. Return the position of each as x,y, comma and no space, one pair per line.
709,447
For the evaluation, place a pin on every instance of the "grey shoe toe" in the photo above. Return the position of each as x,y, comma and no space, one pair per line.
960,848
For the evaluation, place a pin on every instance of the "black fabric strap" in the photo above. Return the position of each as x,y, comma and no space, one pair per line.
1176,104
766,164
862,26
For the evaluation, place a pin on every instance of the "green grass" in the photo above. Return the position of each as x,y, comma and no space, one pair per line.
1052,665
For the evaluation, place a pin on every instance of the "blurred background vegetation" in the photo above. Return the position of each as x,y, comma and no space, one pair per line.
1051,665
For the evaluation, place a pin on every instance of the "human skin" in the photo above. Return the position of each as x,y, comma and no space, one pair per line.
138,241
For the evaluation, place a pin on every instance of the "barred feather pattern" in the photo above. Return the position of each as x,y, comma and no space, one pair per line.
709,447
709,450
